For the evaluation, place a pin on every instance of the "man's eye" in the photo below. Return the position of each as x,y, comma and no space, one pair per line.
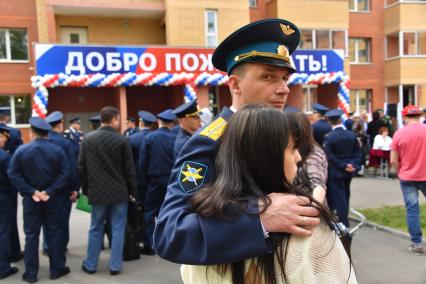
267,77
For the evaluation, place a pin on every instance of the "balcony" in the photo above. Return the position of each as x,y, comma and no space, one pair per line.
409,15
405,70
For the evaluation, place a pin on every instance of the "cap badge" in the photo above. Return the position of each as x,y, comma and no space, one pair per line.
283,51
287,30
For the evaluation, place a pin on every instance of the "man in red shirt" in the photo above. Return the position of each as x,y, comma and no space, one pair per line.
408,157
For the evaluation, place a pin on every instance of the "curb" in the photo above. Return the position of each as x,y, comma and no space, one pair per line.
382,228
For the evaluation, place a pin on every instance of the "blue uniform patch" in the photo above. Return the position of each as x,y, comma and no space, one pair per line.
192,175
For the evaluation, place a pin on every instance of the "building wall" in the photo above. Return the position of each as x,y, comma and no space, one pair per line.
15,77
310,14
369,76
114,30
259,12
185,20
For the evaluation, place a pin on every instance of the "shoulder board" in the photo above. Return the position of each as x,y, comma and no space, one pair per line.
67,131
215,129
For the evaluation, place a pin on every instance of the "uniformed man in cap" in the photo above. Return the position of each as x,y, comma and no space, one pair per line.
321,127
95,122
257,60
39,170
344,159
155,164
131,127
6,195
55,119
146,123
189,119
14,141
74,134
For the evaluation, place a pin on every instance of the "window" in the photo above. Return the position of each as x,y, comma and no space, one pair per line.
360,101
392,45
253,3
323,39
73,35
20,108
359,50
414,43
211,28
359,5
310,96
13,45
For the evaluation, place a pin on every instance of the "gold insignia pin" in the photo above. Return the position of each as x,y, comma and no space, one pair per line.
287,30
283,51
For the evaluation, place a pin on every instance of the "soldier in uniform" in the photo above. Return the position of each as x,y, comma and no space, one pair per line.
155,164
257,60
55,119
321,127
189,119
14,141
146,122
75,135
95,122
131,127
39,170
6,195
344,158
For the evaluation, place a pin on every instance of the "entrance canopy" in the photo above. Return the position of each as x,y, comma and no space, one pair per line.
115,66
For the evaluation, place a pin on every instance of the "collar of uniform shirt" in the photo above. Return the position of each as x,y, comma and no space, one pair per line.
339,125
233,109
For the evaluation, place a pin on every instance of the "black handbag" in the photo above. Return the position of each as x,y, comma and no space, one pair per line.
134,216
131,247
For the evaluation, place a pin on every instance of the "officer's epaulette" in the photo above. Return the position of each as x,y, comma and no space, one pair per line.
67,131
215,129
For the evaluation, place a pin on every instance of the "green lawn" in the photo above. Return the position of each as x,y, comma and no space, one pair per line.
393,216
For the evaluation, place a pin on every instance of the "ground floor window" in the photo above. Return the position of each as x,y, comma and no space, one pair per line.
20,108
310,96
360,100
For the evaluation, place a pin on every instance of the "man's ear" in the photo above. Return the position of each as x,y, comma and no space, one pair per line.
234,85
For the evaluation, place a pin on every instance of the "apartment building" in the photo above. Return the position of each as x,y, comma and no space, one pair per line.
382,42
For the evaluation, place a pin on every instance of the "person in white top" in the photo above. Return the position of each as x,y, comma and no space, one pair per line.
254,162
382,141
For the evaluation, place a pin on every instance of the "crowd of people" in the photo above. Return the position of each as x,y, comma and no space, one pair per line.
277,181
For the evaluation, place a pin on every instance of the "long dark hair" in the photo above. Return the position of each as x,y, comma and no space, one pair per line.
250,165
302,130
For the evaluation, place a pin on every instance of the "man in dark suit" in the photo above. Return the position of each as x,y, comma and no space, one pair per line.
344,157
189,119
155,164
39,170
14,141
107,177
321,127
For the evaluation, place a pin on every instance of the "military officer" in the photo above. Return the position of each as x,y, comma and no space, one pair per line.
6,194
155,164
344,158
146,122
321,127
55,119
131,127
189,119
95,122
257,60
39,170
74,134
14,141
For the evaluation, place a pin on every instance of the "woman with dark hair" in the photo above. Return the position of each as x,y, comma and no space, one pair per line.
258,156
312,170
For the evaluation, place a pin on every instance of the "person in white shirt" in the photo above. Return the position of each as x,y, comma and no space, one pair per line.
382,141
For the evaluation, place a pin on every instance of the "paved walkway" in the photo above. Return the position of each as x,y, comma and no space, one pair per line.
377,256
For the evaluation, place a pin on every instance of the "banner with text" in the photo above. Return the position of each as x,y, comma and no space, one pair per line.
84,60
